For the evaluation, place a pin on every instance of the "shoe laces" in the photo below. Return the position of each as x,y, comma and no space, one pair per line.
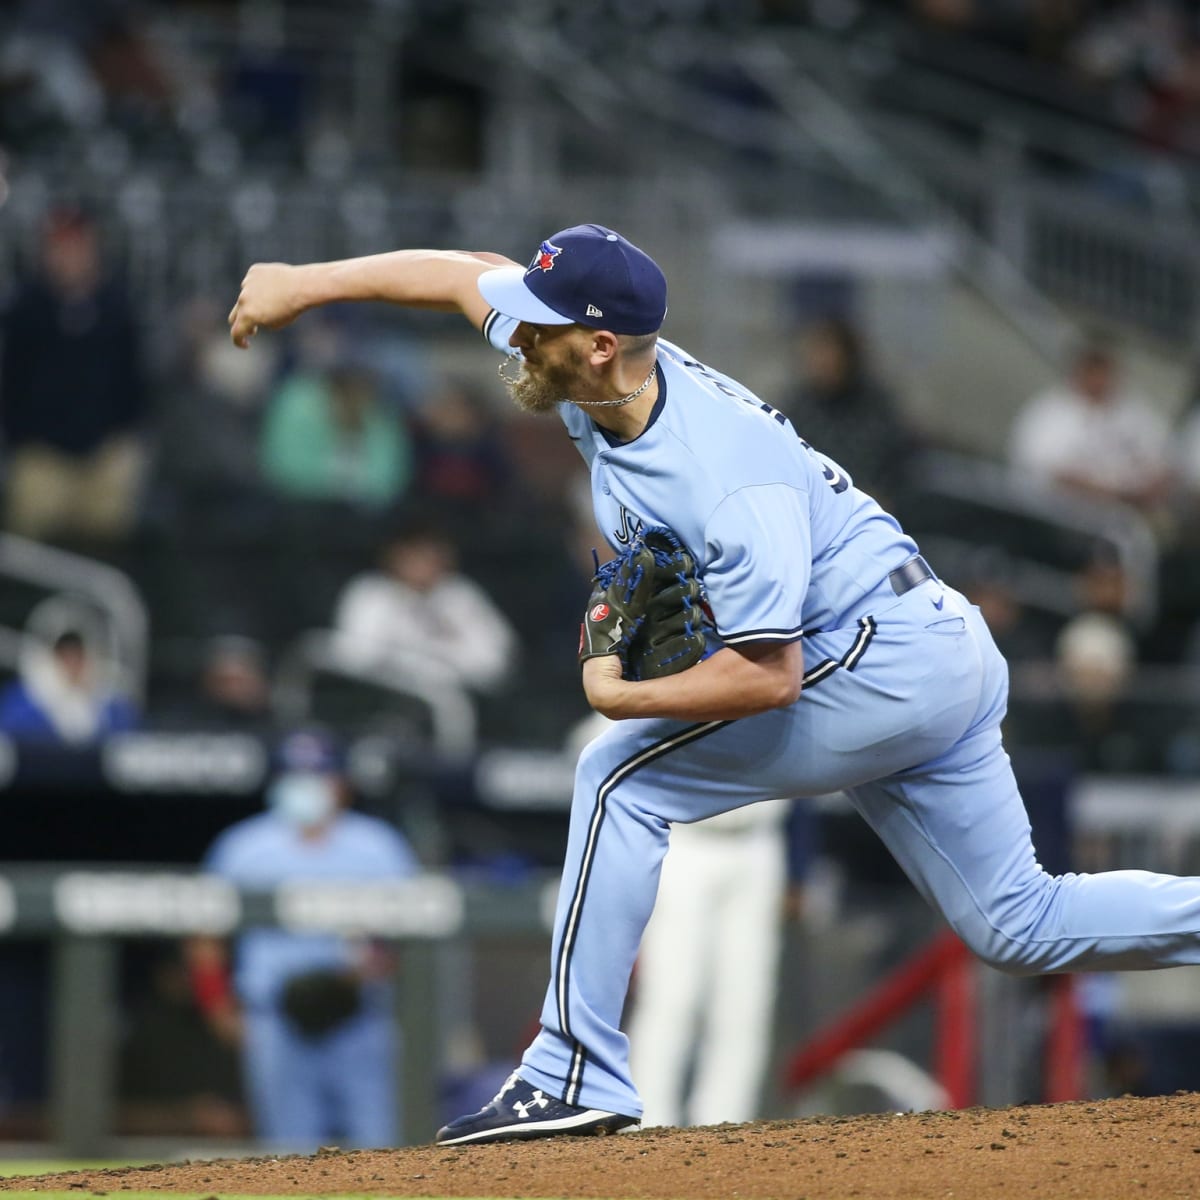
509,1084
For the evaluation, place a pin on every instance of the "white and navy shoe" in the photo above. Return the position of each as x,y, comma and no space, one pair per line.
520,1110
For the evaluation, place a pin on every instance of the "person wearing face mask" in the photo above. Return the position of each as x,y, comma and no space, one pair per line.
312,1011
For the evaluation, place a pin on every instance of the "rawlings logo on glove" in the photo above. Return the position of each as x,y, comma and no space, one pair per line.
647,607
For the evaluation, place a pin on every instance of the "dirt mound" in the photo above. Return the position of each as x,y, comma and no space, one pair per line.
1098,1150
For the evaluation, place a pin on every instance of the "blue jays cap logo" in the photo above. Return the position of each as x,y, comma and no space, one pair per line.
544,259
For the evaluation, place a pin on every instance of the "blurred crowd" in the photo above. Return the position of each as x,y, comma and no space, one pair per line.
115,67
335,479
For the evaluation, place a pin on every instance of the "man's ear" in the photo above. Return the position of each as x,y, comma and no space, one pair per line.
603,347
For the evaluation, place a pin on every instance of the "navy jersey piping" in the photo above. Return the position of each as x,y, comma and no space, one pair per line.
848,661
659,404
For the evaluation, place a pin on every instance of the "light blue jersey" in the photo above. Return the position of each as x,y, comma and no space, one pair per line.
903,695
742,490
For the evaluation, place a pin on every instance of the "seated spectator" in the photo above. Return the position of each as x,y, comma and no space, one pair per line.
208,460
63,696
843,411
1092,434
459,453
329,436
233,692
986,580
419,603
70,64
74,393
1087,715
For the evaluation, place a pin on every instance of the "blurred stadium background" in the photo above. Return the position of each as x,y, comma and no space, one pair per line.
962,204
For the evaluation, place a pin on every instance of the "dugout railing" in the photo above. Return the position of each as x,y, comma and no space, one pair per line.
86,911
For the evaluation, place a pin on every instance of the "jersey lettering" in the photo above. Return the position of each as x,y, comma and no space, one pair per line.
630,527
725,389
836,480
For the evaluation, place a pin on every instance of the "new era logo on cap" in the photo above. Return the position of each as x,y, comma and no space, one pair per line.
586,275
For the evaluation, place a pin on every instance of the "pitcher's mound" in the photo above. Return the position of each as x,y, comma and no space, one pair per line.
1100,1150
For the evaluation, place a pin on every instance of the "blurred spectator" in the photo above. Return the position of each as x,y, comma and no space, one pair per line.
212,417
72,392
1087,714
234,690
1095,436
316,1010
1096,660
843,411
329,436
70,64
987,581
1171,120
461,462
1103,585
420,604
268,88
63,695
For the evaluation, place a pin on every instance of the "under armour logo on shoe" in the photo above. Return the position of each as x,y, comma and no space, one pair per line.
539,1101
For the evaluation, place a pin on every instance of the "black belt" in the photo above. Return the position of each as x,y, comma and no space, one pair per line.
905,578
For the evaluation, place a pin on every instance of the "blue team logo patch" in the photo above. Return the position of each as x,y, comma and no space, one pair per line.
543,260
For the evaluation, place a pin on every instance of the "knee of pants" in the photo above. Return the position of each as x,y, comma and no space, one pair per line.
597,762
1006,940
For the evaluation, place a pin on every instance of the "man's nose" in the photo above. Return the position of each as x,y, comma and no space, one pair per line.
519,338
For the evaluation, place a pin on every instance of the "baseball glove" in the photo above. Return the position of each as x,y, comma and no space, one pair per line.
319,1001
647,607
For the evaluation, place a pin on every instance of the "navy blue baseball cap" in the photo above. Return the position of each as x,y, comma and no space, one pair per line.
585,275
310,752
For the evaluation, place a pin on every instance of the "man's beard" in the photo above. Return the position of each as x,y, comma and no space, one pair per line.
552,383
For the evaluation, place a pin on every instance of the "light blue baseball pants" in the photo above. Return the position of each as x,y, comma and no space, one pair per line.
305,1092
903,712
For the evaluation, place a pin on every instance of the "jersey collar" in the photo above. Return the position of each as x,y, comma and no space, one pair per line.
659,404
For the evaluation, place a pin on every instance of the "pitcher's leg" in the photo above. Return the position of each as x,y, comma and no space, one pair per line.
958,828
629,786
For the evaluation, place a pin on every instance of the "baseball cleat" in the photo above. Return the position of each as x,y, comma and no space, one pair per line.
520,1110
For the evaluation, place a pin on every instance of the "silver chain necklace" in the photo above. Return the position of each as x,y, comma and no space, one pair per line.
624,399
589,403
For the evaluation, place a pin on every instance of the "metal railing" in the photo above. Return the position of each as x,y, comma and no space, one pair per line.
399,672
105,589
996,488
